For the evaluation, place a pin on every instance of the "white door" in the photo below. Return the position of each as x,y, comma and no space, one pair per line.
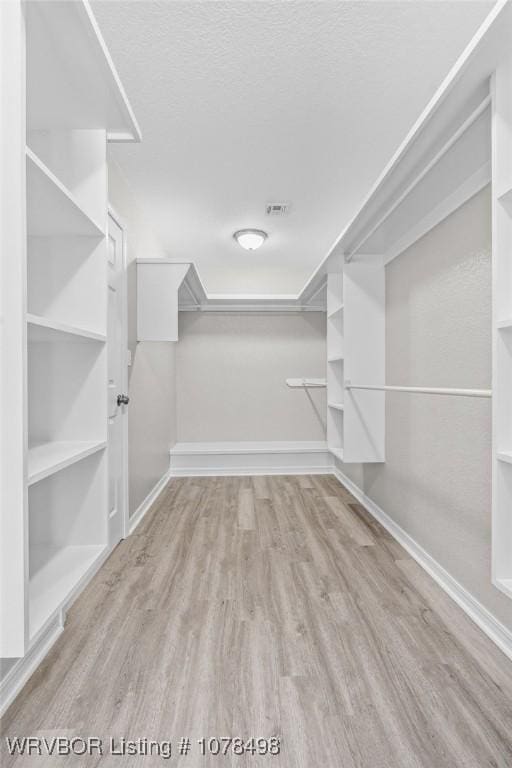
117,383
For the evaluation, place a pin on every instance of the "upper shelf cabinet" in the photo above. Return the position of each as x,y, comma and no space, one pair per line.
71,80
158,285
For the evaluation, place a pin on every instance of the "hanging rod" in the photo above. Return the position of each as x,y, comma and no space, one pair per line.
424,390
306,383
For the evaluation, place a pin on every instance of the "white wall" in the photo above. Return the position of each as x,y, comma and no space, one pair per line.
152,409
231,371
436,482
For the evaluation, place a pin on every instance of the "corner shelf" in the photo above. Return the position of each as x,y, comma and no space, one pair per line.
504,325
335,359
51,208
46,330
336,406
336,451
61,572
47,458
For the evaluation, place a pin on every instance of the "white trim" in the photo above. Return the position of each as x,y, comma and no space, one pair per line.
120,222
247,471
489,624
225,447
241,306
18,676
119,94
446,207
250,458
150,499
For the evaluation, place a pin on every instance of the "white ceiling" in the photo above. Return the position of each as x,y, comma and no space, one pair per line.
243,103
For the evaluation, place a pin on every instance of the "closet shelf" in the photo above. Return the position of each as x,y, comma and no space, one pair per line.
336,311
336,406
337,451
335,358
47,458
44,329
504,456
504,325
57,571
81,88
51,208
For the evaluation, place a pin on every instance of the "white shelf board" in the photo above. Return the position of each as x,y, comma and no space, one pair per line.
57,571
51,208
71,79
336,311
44,329
504,456
336,451
336,406
335,358
504,325
47,458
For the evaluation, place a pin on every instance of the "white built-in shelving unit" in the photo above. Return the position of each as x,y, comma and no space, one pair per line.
335,363
55,532
443,161
355,348
502,326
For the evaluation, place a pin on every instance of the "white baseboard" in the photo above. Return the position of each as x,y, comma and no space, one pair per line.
250,458
16,678
488,623
148,501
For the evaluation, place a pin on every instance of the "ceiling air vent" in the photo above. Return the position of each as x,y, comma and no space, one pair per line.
277,209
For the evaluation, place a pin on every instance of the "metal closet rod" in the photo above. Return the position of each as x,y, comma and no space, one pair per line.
424,390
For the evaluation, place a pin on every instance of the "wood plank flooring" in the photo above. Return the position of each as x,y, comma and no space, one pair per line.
270,606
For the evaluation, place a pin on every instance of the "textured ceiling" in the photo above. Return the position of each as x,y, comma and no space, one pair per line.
242,103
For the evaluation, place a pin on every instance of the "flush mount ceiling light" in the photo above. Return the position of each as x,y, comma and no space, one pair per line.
250,239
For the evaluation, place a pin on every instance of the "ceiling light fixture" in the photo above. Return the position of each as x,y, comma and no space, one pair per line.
250,239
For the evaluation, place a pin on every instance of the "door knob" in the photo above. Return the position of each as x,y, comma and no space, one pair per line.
123,399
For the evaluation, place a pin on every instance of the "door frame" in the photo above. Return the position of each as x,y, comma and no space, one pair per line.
125,510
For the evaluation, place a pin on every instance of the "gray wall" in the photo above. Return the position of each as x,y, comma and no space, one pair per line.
436,482
152,409
231,371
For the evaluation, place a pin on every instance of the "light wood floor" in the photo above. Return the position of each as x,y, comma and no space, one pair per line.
271,606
